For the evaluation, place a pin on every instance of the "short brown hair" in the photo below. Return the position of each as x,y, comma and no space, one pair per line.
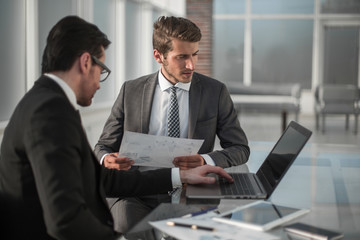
166,28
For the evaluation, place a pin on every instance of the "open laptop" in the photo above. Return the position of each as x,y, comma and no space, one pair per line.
262,184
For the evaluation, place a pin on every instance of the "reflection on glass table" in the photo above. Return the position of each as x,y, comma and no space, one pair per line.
324,178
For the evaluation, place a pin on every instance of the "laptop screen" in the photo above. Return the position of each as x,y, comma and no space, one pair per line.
282,156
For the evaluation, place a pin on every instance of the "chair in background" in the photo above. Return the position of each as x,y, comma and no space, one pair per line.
337,99
265,98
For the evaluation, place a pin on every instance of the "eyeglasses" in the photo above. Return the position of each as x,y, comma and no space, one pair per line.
105,72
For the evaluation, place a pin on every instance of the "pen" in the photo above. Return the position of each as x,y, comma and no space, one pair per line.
192,226
199,212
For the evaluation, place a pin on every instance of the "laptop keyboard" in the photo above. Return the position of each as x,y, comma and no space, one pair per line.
241,185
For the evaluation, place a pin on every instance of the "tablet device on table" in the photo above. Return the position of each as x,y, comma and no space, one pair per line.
260,215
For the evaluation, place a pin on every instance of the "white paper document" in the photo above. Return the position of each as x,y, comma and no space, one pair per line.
156,151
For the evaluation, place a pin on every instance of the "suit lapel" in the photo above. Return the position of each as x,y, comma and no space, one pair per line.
147,99
194,104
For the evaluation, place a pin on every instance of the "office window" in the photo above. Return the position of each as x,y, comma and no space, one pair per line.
229,6
228,50
341,55
104,18
282,6
133,39
49,13
12,48
340,6
282,51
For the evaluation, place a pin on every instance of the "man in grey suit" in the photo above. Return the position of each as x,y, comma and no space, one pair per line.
205,111
51,184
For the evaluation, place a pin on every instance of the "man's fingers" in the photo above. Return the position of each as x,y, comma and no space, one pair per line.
187,162
124,161
186,166
124,165
221,172
200,174
209,180
114,154
112,161
113,166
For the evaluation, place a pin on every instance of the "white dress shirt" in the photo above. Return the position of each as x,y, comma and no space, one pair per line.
68,91
160,108
159,113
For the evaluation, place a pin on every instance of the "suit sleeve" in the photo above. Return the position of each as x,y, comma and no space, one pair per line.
136,183
232,137
112,133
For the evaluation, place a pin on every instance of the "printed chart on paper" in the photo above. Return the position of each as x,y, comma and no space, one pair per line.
156,151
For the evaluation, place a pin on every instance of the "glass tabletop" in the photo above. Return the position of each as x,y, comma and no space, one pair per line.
324,178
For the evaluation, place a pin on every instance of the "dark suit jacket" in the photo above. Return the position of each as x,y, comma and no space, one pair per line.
51,184
211,113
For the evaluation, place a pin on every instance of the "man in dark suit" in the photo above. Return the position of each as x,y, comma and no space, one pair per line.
51,184
205,109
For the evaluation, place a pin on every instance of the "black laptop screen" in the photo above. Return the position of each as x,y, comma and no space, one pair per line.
282,156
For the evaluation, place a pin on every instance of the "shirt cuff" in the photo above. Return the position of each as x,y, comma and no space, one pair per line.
175,177
208,159
102,158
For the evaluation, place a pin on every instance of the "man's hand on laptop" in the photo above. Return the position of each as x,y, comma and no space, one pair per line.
199,175
188,162
113,161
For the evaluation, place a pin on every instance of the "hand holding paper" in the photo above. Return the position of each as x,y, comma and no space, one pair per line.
188,162
156,151
113,161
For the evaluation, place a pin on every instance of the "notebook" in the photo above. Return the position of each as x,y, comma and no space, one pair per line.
262,184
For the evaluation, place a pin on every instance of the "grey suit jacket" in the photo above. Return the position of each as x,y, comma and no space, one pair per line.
211,113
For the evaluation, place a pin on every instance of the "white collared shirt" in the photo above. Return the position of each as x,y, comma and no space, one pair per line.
159,113
68,91
160,107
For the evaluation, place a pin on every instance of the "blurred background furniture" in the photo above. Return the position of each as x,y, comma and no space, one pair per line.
336,99
267,98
